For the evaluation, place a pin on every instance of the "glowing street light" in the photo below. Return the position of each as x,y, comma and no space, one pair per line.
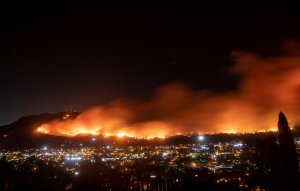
201,138
45,148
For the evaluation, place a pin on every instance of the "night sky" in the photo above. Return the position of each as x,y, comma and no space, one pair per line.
56,55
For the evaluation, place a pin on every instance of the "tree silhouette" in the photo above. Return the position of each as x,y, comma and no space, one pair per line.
289,165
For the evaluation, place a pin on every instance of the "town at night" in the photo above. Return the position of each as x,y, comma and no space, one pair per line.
135,97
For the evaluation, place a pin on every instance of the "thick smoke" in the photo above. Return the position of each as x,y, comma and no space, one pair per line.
268,85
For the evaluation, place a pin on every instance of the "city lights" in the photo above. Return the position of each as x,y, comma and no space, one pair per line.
215,157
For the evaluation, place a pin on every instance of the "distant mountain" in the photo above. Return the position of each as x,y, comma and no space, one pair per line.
22,133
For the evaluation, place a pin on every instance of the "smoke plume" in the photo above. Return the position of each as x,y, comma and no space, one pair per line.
267,85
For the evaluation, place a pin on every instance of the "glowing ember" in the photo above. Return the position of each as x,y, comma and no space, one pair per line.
42,130
107,134
121,134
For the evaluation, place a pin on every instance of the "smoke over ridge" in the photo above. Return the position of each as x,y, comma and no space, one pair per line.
267,85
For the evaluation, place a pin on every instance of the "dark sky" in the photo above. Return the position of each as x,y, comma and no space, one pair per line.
54,55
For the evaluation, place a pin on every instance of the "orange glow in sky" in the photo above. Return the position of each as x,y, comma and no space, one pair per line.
267,86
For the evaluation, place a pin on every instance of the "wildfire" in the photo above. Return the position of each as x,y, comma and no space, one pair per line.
267,86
